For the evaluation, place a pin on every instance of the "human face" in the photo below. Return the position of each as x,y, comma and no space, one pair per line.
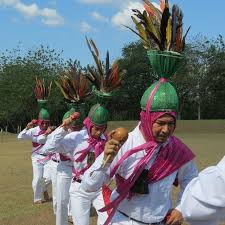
97,131
45,125
163,127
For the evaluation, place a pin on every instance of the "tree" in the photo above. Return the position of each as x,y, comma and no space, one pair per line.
17,102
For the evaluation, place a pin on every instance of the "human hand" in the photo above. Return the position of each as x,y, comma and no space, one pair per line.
174,217
49,130
67,122
110,150
31,124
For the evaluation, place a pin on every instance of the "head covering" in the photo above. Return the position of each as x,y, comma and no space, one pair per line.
76,107
105,80
98,115
42,92
161,97
76,89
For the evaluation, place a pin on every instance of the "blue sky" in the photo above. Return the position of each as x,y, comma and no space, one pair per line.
63,24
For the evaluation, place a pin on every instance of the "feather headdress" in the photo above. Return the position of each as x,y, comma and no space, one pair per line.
73,84
158,28
42,90
103,77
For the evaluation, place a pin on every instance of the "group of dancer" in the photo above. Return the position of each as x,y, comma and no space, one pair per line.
81,160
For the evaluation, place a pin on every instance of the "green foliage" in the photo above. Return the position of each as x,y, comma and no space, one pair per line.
199,82
17,82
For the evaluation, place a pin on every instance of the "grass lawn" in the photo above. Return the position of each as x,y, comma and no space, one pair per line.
205,138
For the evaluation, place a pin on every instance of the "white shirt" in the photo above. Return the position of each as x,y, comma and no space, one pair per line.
148,208
32,134
69,144
204,197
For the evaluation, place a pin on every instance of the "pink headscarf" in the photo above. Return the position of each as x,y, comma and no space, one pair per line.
97,144
40,124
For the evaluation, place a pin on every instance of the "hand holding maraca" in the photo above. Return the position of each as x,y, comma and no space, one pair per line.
118,137
67,122
31,124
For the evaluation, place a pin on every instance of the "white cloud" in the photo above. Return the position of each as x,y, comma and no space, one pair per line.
8,2
86,28
51,17
123,17
99,17
27,10
96,1
48,16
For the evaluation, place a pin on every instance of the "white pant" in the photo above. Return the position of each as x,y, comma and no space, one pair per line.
50,172
38,170
81,202
64,176
47,174
120,219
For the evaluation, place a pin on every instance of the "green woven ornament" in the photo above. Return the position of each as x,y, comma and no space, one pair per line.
77,107
102,98
42,103
43,113
99,115
165,63
165,98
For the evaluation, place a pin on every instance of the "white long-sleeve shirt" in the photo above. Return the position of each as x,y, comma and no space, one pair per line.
32,134
148,208
204,197
69,144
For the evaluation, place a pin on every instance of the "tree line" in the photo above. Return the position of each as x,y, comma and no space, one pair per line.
199,82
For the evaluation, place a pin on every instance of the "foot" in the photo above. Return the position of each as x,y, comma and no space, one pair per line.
46,196
39,202
70,219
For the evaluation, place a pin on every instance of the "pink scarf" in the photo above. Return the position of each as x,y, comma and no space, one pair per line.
35,144
169,159
97,144
40,123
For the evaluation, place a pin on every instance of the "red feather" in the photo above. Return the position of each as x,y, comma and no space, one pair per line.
149,10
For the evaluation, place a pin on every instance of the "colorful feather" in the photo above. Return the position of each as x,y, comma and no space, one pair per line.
73,84
105,79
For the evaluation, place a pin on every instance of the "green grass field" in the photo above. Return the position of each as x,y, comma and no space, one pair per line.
205,138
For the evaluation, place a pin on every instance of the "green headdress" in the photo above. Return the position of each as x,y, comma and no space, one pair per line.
99,115
75,89
43,113
76,107
105,80
42,92
161,34
165,97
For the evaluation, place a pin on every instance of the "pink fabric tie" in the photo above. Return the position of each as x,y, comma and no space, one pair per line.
35,144
96,144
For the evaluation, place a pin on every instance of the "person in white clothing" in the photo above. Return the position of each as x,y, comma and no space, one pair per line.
63,169
82,147
203,201
38,137
146,166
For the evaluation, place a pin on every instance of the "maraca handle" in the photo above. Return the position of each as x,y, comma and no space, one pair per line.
106,161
